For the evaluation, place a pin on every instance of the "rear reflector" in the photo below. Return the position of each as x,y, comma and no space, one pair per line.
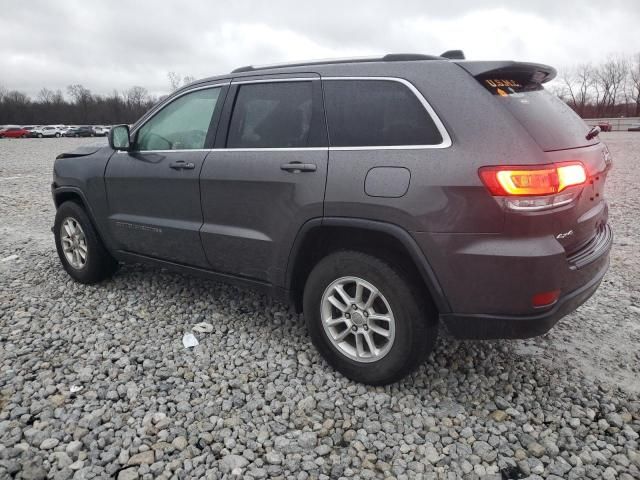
545,299
532,180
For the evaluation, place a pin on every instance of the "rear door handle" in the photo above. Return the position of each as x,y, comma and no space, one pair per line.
182,165
297,167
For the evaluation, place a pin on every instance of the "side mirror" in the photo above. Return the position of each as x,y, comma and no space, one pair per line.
119,137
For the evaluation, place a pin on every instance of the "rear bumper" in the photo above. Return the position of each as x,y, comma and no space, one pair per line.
490,280
484,326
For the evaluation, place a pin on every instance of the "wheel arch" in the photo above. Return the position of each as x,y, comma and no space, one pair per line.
63,194
320,237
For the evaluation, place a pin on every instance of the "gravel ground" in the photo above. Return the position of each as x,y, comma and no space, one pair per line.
95,382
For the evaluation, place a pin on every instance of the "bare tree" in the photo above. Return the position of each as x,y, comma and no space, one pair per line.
174,80
578,82
609,82
136,96
79,94
634,83
188,79
46,96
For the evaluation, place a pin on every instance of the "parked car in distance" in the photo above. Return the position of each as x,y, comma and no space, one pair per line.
30,129
605,126
82,131
45,131
14,132
634,128
101,130
362,192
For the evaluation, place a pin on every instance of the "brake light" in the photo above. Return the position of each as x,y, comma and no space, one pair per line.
539,185
546,180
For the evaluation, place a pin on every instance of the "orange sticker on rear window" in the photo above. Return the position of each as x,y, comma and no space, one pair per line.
502,83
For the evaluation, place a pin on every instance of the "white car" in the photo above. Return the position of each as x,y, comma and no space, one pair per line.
46,131
101,130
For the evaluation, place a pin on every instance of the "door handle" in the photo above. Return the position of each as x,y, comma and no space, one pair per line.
297,167
182,165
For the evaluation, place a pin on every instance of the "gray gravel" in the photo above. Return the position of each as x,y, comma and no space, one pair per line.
254,399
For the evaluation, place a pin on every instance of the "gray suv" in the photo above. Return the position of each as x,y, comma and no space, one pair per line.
382,197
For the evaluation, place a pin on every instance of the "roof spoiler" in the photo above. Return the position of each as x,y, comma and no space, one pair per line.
453,55
536,72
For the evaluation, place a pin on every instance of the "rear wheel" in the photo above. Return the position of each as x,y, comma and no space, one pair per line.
40,135
79,247
368,318
57,135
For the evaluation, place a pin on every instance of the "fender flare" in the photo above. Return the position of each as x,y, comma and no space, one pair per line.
406,240
56,190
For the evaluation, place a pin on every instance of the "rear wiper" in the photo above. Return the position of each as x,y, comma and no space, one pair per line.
594,132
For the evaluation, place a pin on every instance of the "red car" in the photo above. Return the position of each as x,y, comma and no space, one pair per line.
14,132
605,126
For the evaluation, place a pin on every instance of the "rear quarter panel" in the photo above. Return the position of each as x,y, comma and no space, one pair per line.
445,193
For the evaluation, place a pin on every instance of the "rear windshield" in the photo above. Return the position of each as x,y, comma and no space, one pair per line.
550,121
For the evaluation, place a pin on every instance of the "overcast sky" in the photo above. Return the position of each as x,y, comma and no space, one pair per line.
116,44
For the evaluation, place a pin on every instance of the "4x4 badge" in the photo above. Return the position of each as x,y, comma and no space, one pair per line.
560,236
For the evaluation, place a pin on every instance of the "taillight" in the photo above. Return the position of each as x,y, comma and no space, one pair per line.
534,187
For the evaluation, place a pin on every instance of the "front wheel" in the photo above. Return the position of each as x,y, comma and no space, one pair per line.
57,135
368,318
79,247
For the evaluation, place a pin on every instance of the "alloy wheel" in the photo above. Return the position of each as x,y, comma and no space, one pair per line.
357,319
74,243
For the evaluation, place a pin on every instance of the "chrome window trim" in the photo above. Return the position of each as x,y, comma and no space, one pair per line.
281,149
446,139
162,106
275,80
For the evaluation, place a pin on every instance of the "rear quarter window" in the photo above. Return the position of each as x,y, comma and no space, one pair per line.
364,113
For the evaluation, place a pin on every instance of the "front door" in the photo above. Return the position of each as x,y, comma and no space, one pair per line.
153,190
266,177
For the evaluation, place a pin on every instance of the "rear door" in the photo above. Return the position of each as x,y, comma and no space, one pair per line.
153,190
266,177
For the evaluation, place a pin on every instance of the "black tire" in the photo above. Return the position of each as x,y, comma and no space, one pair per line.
416,319
40,135
57,135
99,263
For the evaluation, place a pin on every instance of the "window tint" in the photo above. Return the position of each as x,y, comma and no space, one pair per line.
376,113
271,115
181,125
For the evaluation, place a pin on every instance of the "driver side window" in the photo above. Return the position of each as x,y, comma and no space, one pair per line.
181,125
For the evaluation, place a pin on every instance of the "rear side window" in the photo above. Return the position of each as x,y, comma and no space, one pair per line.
363,113
550,121
272,115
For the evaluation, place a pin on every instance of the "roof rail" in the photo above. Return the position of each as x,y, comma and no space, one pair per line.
391,57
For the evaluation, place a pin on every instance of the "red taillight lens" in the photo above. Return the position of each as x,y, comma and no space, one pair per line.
532,180
545,299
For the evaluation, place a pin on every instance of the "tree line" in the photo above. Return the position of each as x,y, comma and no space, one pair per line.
608,89
80,106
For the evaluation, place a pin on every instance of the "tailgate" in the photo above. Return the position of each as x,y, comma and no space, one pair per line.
577,226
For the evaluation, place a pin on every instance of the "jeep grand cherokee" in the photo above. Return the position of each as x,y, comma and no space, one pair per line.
382,197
